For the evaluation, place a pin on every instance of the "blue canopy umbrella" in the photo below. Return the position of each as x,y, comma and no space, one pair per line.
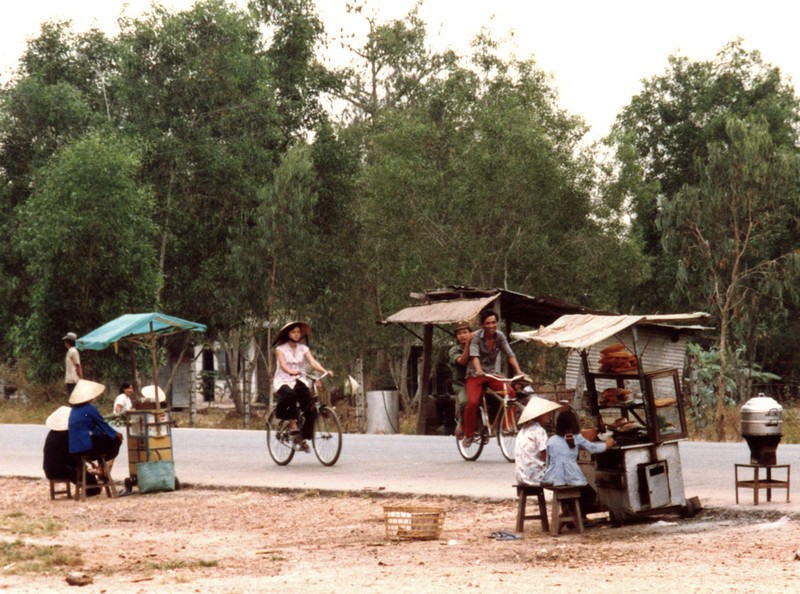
142,328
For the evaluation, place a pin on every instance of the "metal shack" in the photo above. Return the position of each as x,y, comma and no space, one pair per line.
449,305
630,384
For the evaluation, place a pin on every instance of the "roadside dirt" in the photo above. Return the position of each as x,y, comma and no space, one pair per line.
204,540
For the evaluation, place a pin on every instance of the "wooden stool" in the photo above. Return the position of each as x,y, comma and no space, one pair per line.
566,508
103,482
757,483
66,490
523,492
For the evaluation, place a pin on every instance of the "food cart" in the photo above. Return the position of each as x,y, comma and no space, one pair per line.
629,392
149,426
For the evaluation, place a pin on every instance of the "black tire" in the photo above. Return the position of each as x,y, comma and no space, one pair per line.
279,442
327,438
507,428
480,438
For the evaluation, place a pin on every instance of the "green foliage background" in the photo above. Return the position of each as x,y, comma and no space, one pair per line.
210,164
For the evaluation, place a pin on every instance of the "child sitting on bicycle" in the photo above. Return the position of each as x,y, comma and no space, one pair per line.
291,383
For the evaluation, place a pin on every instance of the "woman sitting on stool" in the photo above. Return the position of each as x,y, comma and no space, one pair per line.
89,433
562,457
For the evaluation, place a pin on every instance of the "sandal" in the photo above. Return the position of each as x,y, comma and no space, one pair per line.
303,446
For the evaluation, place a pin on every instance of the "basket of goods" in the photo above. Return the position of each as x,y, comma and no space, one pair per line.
616,358
413,523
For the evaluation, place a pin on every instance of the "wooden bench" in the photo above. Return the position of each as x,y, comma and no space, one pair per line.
523,492
104,482
566,508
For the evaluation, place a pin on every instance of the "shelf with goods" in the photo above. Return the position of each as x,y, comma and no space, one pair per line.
639,405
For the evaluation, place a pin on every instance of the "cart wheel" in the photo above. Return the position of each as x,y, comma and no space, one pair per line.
177,484
129,483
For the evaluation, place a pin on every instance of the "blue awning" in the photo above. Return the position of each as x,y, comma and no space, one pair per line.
131,326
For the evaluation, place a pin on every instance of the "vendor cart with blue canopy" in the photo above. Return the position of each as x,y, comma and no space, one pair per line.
149,426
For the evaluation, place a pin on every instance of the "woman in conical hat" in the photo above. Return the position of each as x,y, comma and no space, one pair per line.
58,464
290,382
530,448
89,433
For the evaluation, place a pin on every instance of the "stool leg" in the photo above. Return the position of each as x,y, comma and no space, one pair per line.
52,490
555,523
576,508
110,490
80,487
522,498
543,512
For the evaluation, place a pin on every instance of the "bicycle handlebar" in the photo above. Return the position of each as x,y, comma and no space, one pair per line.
316,378
508,380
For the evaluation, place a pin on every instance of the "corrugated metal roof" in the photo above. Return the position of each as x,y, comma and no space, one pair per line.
512,307
441,312
580,331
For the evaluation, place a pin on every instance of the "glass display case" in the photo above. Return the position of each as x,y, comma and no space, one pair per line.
638,405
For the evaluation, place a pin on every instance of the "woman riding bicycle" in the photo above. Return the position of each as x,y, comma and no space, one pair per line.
290,382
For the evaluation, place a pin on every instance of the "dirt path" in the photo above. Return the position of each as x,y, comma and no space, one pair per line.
198,540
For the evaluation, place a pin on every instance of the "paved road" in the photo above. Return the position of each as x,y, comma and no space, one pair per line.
391,463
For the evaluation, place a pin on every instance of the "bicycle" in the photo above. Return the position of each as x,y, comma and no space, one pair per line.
502,425
327,438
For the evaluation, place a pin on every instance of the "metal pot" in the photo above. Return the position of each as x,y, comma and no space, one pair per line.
761,416
761,423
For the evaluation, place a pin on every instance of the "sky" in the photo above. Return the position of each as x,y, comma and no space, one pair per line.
597,51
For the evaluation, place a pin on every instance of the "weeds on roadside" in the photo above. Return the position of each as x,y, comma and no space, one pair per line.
21,524
18,557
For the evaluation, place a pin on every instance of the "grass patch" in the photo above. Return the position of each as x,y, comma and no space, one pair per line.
22,524
18,557
172,565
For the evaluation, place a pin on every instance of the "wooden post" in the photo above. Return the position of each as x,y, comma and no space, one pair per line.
427,347
153,346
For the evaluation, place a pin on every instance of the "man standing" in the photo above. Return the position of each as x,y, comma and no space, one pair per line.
459,357
484,353
74,372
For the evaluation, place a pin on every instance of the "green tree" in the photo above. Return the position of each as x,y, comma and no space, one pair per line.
87,237
734,234
55,96
220,111
666,128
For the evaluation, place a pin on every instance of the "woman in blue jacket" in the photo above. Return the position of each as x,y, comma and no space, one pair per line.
89,433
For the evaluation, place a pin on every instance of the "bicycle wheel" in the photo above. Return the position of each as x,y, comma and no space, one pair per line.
471,453
327,438
279,442
507,429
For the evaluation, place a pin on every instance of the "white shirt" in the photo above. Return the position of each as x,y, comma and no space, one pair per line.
531,442
295,360
72,360
124,402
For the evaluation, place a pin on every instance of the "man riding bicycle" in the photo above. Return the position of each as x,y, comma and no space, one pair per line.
484,353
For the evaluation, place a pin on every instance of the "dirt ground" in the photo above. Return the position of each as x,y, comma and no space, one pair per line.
204,540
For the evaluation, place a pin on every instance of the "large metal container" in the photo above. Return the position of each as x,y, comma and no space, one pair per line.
762,425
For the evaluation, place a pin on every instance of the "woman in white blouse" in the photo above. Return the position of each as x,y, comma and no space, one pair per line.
290,382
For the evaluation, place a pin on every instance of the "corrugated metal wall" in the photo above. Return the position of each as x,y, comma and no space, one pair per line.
659,350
